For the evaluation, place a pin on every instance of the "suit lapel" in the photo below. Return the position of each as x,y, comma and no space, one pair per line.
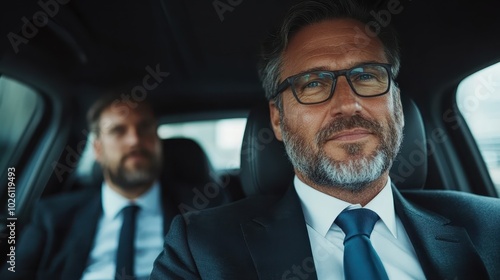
78,248
279,242
444,251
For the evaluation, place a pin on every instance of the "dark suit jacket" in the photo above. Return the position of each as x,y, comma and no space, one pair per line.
457,236
58,241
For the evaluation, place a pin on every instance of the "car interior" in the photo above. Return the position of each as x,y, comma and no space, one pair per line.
196,61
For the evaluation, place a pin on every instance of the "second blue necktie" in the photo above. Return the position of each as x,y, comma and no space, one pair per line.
125,252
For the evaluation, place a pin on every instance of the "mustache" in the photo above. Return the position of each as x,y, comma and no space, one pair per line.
142,152
345,123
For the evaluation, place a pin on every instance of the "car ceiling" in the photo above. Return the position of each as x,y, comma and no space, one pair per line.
211,60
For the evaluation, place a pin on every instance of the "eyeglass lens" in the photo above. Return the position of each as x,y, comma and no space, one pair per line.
366,80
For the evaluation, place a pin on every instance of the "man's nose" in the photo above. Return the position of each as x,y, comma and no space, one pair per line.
132,138
344,100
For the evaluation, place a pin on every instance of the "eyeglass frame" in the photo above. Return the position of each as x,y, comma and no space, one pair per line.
336,74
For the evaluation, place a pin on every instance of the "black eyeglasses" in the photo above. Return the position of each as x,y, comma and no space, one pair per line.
366,80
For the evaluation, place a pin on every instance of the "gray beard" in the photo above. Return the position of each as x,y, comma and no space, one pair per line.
354,174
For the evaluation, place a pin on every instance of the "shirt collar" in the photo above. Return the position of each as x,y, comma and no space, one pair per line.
321,210
113,202
383,205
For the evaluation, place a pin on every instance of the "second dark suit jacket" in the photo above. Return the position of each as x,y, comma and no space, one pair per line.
456,236
58,241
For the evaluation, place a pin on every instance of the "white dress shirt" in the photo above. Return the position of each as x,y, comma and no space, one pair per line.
149,234
389,237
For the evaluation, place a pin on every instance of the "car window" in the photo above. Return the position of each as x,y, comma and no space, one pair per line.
21,110
18,108
478,99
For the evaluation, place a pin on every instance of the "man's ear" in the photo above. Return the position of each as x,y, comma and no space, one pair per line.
97,145
275,120
399,105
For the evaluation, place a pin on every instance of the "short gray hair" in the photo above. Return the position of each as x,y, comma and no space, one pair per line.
306,13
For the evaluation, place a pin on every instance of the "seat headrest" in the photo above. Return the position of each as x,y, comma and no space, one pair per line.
265,168
185,161
189,176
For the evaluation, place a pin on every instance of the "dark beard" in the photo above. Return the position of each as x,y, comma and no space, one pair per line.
129,180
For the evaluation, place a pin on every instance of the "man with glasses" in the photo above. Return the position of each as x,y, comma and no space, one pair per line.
334,104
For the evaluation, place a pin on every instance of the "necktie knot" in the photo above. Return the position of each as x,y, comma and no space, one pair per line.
130,211
357,222
361,262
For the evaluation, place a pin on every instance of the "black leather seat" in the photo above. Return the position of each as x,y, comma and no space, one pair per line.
184,161
189,176
265,168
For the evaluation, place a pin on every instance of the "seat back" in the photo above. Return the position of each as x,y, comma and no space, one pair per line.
265,168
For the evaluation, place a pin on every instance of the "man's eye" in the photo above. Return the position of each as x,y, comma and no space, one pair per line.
364,77
312,84
117,130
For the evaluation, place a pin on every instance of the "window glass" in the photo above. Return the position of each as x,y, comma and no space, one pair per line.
18,107
478,99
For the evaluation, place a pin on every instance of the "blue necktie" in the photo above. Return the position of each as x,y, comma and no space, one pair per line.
125,252
361,262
